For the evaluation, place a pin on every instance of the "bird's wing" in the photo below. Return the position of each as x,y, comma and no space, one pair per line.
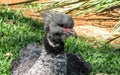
77,65
29,53
14,64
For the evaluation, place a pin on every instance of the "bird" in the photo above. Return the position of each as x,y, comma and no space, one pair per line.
50,58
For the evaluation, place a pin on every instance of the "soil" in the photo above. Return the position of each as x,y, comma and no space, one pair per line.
103,21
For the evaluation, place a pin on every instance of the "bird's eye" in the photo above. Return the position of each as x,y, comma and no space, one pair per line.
61,25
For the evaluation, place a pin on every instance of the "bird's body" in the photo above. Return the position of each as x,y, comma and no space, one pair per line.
46,64
49,64
50,58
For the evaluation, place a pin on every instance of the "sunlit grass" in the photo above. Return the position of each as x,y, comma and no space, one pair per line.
16,31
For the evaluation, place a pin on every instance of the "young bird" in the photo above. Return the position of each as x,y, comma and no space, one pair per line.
50,58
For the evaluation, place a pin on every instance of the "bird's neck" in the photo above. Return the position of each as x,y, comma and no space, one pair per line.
52,47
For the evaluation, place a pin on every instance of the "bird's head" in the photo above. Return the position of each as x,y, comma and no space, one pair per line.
58,27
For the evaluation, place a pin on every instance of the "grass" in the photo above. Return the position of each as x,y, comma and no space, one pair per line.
104,59
16,31
97,6
86,7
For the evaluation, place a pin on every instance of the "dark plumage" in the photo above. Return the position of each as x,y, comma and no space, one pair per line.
76,65
50,59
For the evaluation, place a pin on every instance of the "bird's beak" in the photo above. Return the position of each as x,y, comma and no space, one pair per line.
71,32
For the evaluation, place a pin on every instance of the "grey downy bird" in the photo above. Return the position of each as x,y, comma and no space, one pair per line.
50,58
